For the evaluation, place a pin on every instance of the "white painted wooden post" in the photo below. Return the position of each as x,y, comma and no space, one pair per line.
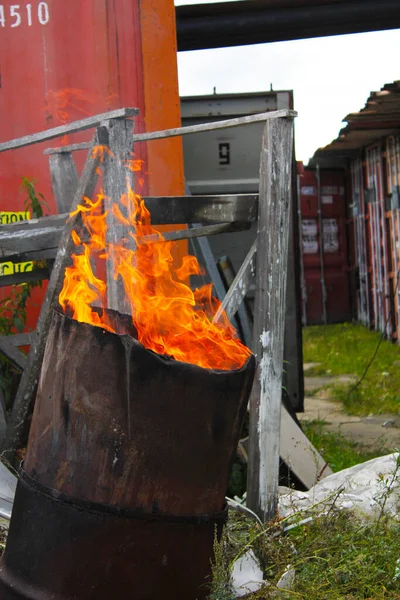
269,316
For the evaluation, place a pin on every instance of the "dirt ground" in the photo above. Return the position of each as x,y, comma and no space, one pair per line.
373,431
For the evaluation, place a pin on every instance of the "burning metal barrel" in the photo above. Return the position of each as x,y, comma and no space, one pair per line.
126,469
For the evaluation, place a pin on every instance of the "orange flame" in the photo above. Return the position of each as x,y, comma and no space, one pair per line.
169,317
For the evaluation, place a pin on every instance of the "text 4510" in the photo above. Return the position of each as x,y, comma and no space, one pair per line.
28,14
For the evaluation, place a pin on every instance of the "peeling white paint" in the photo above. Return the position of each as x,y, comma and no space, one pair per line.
265,338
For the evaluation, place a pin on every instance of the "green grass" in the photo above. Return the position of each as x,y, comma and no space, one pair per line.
339,452
346,349
336,556
359,561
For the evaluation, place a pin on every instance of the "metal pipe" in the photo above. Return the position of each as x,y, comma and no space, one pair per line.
363,225
374,242
301,255
364,237
240,23
357,237
396,246
321,247
393,175
387,325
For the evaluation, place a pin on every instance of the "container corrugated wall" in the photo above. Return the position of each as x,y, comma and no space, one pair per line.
326,290
63,61
361,244
375,178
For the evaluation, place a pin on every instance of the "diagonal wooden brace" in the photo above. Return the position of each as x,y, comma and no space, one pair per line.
23,404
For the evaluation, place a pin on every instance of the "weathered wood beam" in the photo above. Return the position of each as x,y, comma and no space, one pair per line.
243,315
118,178
69,128
226,124
3,416
26,277
24,399
68,148
47,254
24,241
240,286
269,316
18,358
64,180
187,234
166,133
44,234
19,339
9,250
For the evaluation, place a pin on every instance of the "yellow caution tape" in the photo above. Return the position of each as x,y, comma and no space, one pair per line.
6,218
9,268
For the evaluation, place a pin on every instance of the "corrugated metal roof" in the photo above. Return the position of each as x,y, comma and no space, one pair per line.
379,117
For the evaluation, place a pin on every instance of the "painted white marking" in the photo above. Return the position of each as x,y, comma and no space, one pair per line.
29,14
265,338
43,13
14,12
15,15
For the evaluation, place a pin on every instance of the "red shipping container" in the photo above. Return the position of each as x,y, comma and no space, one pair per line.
333,277
63,61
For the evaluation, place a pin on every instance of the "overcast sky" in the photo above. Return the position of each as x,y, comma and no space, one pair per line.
331,76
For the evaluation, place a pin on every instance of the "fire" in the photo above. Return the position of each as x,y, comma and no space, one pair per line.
169,317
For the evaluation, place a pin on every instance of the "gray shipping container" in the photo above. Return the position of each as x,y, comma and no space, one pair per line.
226,162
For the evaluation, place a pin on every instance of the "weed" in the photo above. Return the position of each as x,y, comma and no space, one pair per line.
34,201
13,309
339,452
221,571
347,349
336,555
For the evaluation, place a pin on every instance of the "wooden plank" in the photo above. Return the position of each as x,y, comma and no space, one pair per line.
24,399
202,250
187,234
57,221
24,241
44,233
69,128
240,286
269,317
117,179
299,454
64,179
3,417
26,277
226,124
68,148
231,208
243,315
18,358
31,256
167,133
20,339
165,210
50,253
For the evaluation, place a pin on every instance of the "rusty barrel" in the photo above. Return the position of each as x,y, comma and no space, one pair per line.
126,470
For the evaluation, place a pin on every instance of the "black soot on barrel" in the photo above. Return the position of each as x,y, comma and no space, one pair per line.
126,470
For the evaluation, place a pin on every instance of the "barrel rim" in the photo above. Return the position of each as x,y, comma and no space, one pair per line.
126,338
